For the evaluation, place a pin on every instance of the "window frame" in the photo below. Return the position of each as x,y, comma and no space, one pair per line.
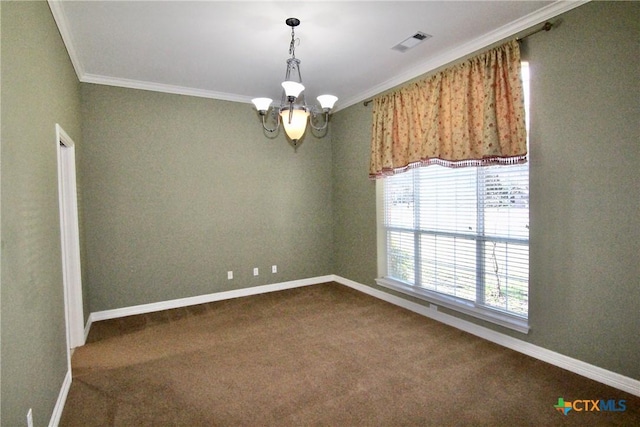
470,308
518,323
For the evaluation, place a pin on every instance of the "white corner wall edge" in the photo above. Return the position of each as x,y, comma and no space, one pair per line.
62,398
579,367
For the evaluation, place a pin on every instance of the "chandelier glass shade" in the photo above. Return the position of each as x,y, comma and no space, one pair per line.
294,122
293,89
293,111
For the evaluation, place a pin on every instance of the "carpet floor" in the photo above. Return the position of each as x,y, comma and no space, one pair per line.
322,355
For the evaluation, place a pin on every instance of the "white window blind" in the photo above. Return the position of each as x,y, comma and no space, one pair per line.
462,234
459,237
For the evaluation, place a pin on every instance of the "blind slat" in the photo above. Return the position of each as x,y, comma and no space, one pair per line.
468,233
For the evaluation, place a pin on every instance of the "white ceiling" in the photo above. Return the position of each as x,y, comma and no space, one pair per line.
237,50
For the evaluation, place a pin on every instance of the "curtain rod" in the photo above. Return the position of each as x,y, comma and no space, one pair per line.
546,27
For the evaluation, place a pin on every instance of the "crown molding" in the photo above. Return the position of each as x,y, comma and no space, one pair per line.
83,76
504,32
524,23
67,39
165,88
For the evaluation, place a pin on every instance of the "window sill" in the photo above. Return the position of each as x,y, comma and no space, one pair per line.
498,318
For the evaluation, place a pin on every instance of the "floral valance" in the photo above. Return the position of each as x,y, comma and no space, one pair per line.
471,114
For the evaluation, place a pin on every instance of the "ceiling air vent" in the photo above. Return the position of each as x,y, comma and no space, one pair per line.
411,42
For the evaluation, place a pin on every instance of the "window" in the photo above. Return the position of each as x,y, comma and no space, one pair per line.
459,237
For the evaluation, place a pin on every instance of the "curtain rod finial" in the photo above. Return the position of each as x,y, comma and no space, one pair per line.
546,27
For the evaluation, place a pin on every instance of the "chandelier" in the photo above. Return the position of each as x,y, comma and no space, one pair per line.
293,111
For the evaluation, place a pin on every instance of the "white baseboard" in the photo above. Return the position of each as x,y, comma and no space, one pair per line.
579,367
202,299
62,398
87,328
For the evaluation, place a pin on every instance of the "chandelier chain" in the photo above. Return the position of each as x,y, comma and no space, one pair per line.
292,45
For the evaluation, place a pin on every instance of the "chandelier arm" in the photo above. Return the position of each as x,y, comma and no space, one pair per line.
301,98
324,126
264,123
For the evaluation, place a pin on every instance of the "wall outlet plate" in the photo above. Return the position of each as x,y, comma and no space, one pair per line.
255,271
274,268
229,275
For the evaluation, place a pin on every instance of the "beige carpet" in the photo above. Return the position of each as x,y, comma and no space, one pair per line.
321,355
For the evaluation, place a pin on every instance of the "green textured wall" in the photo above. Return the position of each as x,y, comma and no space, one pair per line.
585,235
179,190
354,196
39,89
585,241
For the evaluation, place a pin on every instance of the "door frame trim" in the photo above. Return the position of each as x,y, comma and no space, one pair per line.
70,239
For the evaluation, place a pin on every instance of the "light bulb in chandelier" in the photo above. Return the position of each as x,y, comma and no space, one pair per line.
294,122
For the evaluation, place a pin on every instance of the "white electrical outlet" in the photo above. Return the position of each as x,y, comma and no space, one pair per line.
30,418
229,275
274,268
255,271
